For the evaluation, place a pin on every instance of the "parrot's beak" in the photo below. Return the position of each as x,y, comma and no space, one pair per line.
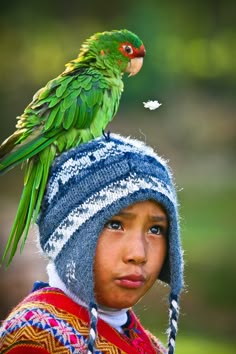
134,66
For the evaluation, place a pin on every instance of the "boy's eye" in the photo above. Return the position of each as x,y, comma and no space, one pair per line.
157,230
113,225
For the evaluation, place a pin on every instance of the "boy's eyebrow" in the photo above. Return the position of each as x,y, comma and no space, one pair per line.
162,218
125,214
129,215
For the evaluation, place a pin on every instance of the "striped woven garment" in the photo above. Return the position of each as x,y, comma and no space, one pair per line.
48,321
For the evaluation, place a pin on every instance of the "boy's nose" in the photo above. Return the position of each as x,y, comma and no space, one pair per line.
135,249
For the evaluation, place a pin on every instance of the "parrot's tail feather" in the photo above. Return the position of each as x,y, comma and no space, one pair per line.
36,176
19,222
24,152
47,158
27,223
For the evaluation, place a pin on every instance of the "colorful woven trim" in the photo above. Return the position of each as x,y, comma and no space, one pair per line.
60,325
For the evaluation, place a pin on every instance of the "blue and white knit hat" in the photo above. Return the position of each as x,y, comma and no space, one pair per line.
86,187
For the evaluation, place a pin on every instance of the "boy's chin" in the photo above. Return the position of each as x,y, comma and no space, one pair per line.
115,304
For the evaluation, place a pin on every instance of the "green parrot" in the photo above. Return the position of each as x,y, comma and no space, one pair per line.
71,109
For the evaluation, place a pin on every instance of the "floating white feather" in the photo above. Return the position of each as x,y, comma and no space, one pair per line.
152,105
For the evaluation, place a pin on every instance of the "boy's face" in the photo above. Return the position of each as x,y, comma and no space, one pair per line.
130,253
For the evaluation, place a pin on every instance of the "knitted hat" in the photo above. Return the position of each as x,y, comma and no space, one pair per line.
87,186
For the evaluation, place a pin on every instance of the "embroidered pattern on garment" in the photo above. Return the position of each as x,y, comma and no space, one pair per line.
58,325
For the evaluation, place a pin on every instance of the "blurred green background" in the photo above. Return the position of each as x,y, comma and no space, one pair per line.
190,68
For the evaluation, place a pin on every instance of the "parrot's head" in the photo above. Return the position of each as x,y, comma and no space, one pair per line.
119,50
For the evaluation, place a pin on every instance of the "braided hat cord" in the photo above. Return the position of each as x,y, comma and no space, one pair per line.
93,327
173,322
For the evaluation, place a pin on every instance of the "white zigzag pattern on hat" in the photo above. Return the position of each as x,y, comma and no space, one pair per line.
96,202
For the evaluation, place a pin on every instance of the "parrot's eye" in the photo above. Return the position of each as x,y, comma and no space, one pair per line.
128,49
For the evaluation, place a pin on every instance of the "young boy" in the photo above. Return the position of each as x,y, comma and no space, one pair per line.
109,227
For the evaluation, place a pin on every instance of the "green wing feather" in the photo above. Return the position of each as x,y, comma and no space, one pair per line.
69,110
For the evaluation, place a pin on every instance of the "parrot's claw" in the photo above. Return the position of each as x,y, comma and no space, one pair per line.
106,135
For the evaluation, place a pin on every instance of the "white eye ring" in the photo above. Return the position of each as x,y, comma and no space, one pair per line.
128,49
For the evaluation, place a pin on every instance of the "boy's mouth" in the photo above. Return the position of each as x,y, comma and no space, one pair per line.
131,281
